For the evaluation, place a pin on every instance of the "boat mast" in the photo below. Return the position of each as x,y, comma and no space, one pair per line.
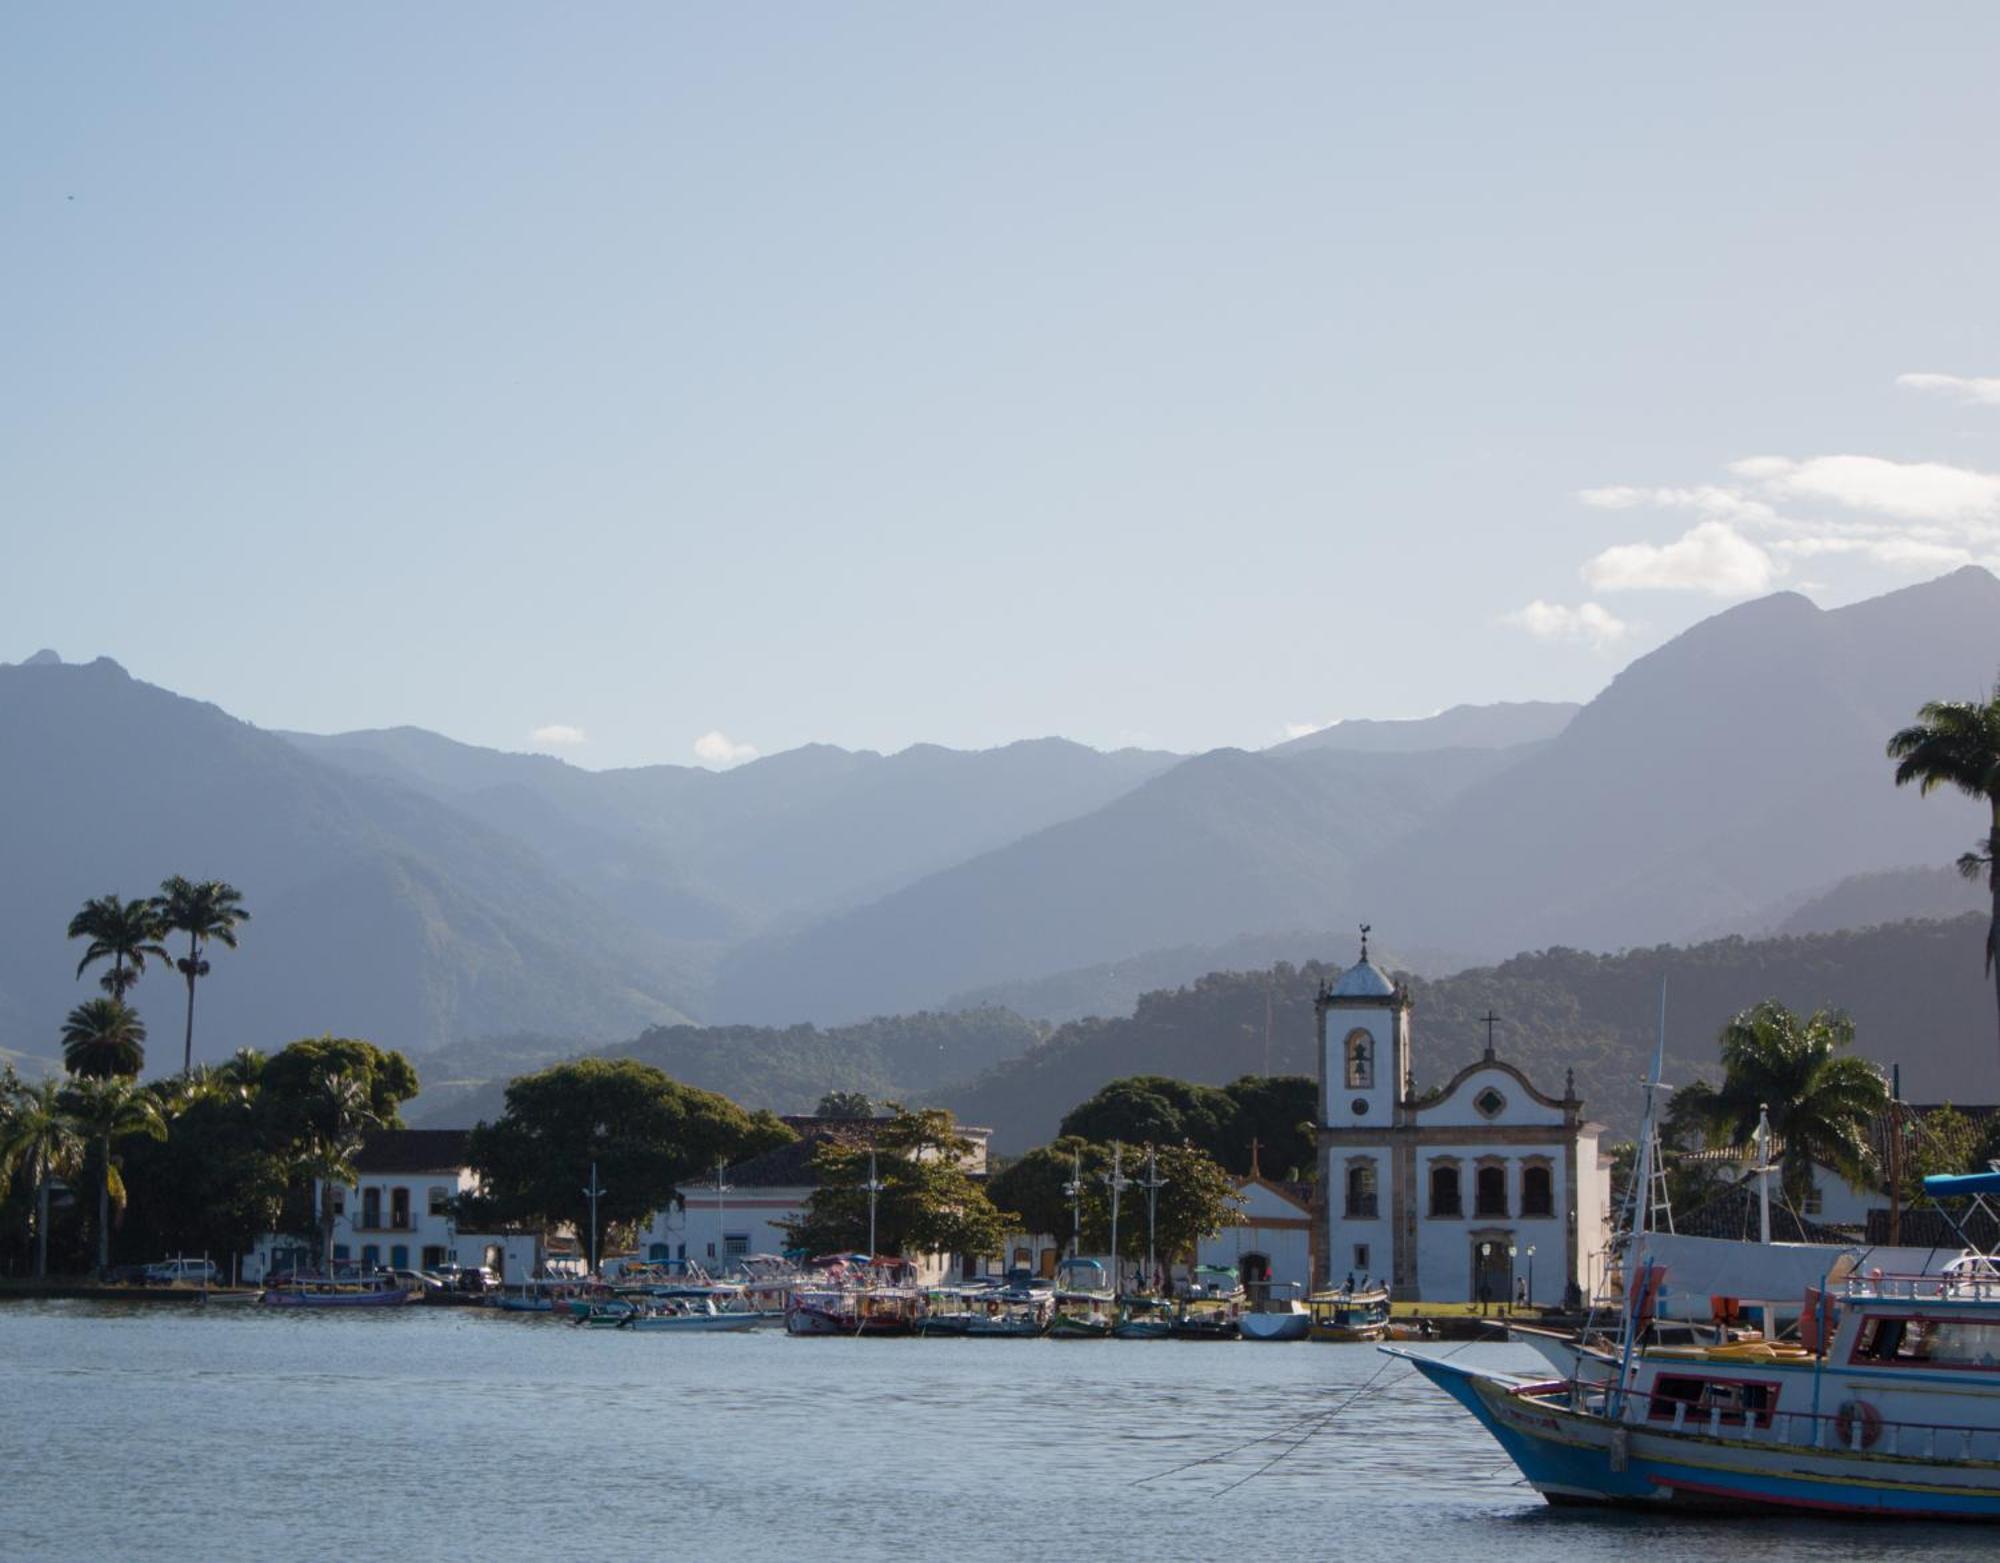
1764,1173
1074,1189
721,1226
1637,1265
1116,1178
593,1191
1152,1185
874,1187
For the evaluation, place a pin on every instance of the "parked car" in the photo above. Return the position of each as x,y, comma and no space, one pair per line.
192,1272
475,1279
416,1280
124,1275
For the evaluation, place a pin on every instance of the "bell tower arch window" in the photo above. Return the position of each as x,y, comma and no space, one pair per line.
1360,1054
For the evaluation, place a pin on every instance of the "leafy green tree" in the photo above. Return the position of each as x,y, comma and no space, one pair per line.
1956,743
1940,1143
339,1118
102,1038
927,1203
645,1132
107,1110
221,1177
1036,1187
209,910
292,1082
40,1136
1822,1099
844,1104
127,933
1265,1117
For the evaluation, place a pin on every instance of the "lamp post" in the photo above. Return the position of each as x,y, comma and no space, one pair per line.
1152,1183
1531,1275
721,1232
1074,1189
874,1187
1117,1181
594,1191
1507,1303
1484,1284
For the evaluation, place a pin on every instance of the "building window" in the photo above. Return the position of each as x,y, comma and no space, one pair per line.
1490,1103
341,1253
1360,1061
659,1254
1446,1199
1361,1201
399,1258
371,1209
440,1200
340,1201
1361,1258
1490,1192
433,1256
399,1210
1813,1204
1538,1195
371,1256
735,1244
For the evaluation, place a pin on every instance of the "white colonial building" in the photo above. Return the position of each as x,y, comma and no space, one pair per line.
1270,1238
1474,1189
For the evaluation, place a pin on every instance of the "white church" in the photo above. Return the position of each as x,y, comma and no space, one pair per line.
1479,1188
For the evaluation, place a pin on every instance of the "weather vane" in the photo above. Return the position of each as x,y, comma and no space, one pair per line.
1364,939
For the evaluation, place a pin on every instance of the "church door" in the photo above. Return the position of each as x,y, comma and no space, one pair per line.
1492,1271
1254,1271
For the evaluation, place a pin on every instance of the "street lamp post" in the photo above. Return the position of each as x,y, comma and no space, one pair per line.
874,1187
594,1191
721,1226
1531,1275
1118,1182
1507,1303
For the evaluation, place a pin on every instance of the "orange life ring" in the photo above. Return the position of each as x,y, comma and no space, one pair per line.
1853,1414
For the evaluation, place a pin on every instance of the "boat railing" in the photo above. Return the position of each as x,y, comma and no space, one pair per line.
1979,1286
1852,1426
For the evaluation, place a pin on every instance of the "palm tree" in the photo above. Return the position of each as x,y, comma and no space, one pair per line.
102,1038
106,1110
127,932
1956,743
205,911
40,1135
1822,1099
341,1118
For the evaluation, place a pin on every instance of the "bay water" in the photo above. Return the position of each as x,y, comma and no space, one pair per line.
245,1433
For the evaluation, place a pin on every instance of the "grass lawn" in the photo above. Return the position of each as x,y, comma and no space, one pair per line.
1445,1310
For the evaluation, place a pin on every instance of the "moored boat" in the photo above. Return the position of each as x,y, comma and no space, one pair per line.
312,1291
1211,1307
1144,1317
1276,1313
1360,1314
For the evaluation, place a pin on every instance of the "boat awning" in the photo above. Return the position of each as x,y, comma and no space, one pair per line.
1961,1184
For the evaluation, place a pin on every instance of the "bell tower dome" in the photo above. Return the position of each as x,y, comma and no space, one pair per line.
1364,1045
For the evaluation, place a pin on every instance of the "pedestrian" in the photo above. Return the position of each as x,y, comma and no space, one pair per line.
1521,1292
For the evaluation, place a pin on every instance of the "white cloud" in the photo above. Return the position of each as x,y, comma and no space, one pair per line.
1713,557
559,735
1909,490
1586,624
719,749
1708,499
1978,390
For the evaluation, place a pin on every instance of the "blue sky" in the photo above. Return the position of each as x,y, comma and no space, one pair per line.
1163,374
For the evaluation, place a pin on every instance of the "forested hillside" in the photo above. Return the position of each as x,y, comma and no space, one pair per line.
1916,992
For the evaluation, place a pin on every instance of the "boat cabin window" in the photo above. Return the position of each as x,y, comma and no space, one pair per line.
1928,1343
1445,1200
1736,1399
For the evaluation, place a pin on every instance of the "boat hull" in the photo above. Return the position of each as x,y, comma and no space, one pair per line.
340,1300
1275,1326
1580,1457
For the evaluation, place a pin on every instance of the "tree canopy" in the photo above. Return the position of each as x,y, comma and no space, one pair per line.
645,1133
1275,1112
927,1202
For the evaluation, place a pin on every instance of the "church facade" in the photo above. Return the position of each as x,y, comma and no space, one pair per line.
1485,1187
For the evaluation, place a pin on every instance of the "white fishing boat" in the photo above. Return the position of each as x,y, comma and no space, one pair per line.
1276,1313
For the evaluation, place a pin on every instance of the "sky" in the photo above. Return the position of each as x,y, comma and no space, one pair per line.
671,383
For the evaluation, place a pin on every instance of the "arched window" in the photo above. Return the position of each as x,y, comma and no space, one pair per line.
1360,1061
1445,1197
1538,1197
1490,1192
1361,1190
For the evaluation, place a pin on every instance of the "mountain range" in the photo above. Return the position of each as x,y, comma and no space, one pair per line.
424,892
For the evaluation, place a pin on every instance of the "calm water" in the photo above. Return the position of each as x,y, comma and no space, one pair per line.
447,1433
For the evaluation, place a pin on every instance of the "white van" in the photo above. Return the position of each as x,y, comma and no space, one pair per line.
193,1272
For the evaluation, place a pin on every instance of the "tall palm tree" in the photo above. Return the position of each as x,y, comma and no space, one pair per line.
1956,743
1822,1098
341,1118
125,932
204,911
107,1110
102,1038
40,1136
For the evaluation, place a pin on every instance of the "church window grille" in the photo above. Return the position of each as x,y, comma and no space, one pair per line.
1538,1195
1446,1199
1360,1061
1361,1198
1490,1192
1489,1103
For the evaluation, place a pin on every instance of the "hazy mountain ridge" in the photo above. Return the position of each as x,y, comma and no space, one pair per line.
1915,990
1501,725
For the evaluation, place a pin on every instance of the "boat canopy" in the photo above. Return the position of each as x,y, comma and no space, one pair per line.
1957,1185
